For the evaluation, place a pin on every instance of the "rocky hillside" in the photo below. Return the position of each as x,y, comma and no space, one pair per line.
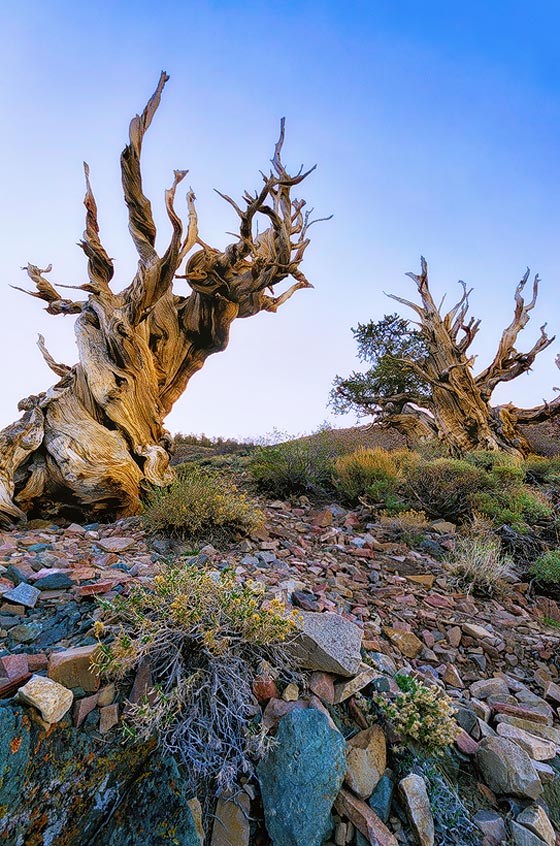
373,612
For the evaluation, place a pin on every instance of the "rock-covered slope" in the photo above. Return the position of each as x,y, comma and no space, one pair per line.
371,606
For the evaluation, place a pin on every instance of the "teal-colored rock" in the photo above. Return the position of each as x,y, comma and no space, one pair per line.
25,632
300,779
381,798
54,581
551,793
15,745
155,812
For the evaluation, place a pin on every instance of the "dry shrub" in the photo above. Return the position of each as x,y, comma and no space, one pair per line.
373,474
444,488
198,505
204,637
302,466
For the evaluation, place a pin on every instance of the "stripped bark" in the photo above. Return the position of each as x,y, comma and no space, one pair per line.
96,438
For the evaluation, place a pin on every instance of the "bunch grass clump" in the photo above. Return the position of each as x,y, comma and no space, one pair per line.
422,715
408,526
204,637
477,563
200,505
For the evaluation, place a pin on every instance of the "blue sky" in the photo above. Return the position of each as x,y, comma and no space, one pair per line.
435,127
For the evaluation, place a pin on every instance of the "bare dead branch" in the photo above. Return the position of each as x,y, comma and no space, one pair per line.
59,369
45,291
508,363
100,266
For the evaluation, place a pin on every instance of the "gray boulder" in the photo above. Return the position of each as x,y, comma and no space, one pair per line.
507,768
329,642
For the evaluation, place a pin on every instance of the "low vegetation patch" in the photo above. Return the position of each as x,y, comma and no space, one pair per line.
200,504
294,467
542,471
546,568
373,474
204,638
444,488
491,484
478,564
422,715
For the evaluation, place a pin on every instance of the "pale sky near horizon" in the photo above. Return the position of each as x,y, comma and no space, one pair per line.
435,128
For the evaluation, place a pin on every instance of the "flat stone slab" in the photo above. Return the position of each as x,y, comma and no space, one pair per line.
115,544
23,594
73,667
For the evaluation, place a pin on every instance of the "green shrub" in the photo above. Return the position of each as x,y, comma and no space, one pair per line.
477,562
422,715
370,473
294,467
200,505
204,637
444,488
488,460
541,470
547,567
518,507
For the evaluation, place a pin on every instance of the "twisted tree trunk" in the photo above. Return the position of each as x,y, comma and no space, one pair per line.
459,411
96,438
422,381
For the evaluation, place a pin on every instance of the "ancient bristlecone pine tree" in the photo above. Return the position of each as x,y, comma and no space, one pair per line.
445,397
97,437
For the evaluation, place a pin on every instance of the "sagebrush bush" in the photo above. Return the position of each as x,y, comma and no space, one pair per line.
478,563
422,715
546,568
444,488
373,474
294,467
200,504
203,636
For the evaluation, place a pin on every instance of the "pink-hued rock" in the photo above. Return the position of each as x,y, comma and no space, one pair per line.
116,544
278,708
97,587
322,685
83,707
264,688
14,665
364,819
73,668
